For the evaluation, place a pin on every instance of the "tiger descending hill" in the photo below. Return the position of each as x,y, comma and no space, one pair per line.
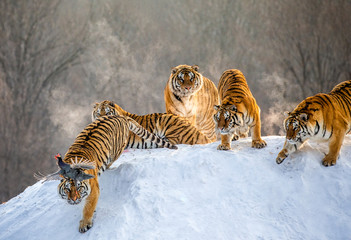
172,128
94,150
238,111
322,117
191,95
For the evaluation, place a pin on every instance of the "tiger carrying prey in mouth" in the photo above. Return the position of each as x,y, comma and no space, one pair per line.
94,150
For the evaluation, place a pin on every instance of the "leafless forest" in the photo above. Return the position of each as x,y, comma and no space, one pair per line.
58,57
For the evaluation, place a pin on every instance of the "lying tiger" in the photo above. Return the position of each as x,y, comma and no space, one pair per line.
238,112
322,117
172,128
94,150
191,95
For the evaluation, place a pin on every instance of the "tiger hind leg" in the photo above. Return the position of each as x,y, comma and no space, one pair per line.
148,137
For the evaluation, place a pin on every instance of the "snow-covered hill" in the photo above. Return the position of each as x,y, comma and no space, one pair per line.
197,192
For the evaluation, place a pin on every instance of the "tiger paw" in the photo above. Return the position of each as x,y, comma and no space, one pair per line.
329,161
235,137
258,143
244,135
223,147
171,146
281,157
85,225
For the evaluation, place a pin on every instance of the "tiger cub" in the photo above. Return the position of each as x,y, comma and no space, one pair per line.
172,128
322,117
238,111
191,95
94,150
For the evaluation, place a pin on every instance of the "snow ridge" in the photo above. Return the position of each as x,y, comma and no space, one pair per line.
198,192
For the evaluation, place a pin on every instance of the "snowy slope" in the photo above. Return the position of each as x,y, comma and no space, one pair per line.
197,192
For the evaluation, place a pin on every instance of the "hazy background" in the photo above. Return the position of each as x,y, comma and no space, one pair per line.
58,57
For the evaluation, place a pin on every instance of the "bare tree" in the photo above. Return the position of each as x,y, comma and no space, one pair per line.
39,43
312,43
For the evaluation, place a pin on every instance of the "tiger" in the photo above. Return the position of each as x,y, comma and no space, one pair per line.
322,117
238,111
169,127
93,151
189,94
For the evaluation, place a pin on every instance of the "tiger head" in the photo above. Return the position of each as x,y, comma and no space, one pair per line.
74,185
226,118
185,80
73,191
300,127
105,108
304,121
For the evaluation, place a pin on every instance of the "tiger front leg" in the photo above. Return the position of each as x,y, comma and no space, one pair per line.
90,205
225,142
287,150
334,148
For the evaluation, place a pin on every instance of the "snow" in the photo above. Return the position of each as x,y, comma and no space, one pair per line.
198,192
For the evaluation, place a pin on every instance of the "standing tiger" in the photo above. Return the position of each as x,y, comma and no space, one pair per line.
238,111
322,117
191,95
94,150
172,128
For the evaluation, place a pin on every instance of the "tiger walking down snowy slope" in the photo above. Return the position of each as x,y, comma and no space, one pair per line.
322,117
94,150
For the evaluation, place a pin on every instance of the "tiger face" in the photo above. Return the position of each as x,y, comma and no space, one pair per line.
73,191
304,122
297,127
102,109
185,80
226,119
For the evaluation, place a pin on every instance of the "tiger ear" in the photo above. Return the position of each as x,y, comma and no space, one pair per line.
303,117
174,70
196,68
96,104
286,113
216,107
112,104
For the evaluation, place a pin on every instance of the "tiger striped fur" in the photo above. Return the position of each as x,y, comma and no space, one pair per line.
100,143
191,95
322,117
172,128
238,111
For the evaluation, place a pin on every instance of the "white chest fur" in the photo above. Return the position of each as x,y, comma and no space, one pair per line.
187,106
